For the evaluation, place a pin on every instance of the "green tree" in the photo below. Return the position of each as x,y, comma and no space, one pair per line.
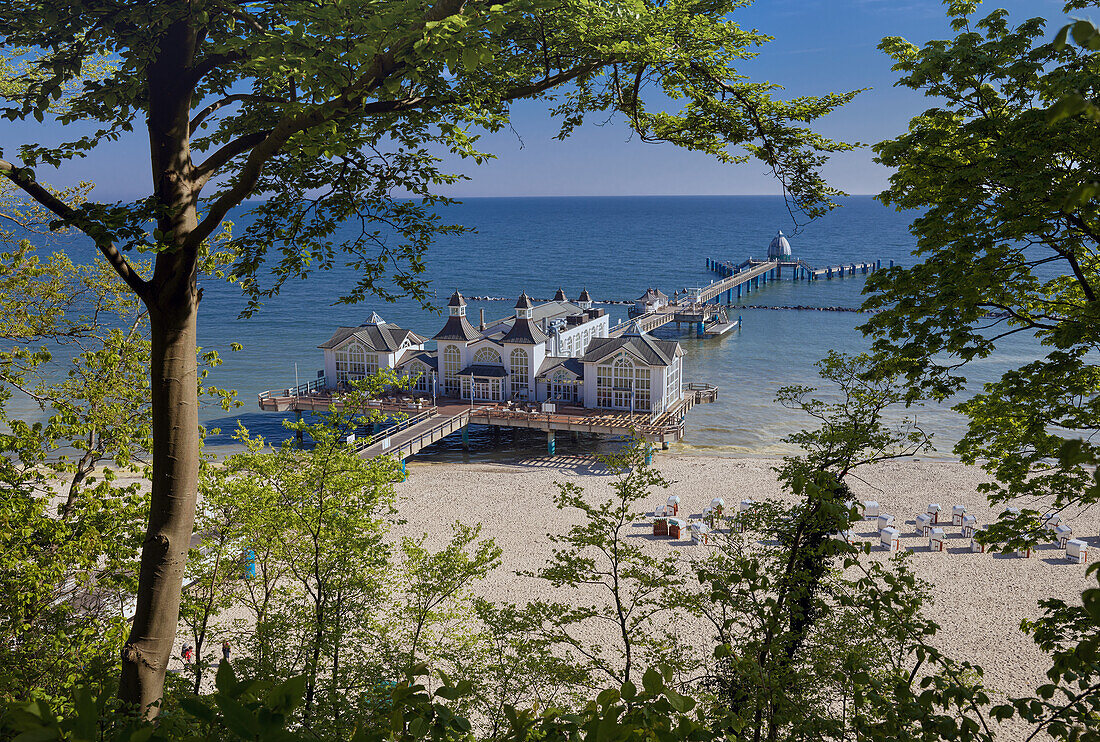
1006,249
623,588
326,508
328,111
778,610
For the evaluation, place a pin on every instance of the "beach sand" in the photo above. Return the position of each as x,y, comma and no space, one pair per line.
978,599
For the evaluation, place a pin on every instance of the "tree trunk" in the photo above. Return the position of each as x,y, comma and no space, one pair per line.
171,297
172,507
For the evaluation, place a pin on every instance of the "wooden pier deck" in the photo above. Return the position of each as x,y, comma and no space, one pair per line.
426,424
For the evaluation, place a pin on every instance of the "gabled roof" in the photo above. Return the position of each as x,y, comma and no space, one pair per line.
524,332
552,363
427,357
653,295
457,328
653,352
381,338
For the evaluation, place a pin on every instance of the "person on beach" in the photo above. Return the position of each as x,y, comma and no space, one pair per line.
225,650
188,654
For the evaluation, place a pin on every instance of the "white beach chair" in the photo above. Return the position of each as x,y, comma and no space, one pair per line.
1063,533
934,511
890,538
935,540
674,504
885,521
847,537
676,527
1077,551
969,523
957,514
1051,521
924,524
870,509
717,505
700,533
975,546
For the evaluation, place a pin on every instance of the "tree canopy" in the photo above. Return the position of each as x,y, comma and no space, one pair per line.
1006,247
330,111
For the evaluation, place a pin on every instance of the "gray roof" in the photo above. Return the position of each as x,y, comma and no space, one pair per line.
525,332
552,363
384,338
484,370
427,357
456,300
652,351
653,295
457,328
524,301
542,312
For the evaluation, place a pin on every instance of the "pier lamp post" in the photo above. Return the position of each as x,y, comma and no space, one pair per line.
433,388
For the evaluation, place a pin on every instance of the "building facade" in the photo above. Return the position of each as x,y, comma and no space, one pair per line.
558,352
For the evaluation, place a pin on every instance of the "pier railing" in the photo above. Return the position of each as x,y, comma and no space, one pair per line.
408,422
703,392
316,385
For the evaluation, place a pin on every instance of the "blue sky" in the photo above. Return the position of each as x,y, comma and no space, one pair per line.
819,46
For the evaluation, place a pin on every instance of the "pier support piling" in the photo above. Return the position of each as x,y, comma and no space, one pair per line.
550,442
648,454
466,437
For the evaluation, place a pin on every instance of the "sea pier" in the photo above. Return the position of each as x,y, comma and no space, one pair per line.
703,309
558,366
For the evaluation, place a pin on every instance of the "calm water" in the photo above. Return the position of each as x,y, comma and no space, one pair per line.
615,247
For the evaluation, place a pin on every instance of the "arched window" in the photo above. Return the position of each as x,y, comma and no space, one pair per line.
421,380
452,361
488,355
350,362
622,373
519,361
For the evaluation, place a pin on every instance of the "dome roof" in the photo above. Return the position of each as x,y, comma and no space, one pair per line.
779,247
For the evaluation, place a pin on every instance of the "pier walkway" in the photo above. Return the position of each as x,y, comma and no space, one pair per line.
423,425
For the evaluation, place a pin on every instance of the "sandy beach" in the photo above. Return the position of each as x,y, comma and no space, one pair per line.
979,599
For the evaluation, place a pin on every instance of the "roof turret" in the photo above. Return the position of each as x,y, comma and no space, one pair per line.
524,301
560,296
374,319
779,247
456,300
584,296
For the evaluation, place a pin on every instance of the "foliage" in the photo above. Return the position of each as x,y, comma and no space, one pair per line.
333,112
625,587
1007,247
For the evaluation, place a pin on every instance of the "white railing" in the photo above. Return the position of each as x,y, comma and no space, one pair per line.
301,390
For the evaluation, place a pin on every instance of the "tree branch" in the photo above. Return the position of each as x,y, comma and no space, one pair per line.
26,182
235,98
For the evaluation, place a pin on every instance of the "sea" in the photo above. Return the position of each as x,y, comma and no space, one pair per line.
616,247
